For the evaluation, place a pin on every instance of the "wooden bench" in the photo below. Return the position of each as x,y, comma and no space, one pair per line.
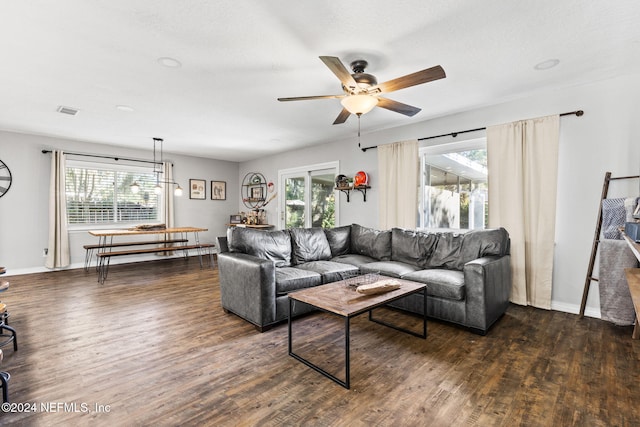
103,266
90,248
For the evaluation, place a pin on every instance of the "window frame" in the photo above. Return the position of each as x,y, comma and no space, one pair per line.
116,167
436,149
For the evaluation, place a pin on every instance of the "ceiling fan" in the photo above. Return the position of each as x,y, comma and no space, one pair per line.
362,90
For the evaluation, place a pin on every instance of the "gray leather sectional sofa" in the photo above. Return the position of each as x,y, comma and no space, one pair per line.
468,275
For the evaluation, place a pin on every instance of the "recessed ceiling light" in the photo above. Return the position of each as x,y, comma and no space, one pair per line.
545,65
124,108
169,62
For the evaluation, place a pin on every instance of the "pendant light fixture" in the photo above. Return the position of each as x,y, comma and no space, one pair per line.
157,170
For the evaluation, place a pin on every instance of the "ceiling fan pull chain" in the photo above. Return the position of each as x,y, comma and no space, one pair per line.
359,129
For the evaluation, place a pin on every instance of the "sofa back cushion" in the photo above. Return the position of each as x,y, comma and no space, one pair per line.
412,247
373,243
446,253
453,251
271,245
479,243
309,244
339,239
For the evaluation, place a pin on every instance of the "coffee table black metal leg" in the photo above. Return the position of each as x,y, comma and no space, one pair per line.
347,355
407,331
424,313
346,383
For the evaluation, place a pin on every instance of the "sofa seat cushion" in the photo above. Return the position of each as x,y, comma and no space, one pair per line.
353,259
441,283
290,279
329,270
389,268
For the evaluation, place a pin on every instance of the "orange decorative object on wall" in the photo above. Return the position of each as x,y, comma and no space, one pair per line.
361,178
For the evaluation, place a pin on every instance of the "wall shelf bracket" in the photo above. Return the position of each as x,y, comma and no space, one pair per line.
361,188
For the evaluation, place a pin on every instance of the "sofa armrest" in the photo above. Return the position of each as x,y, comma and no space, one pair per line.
488,287
248,287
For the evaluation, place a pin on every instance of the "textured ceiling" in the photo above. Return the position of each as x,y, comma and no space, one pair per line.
239,56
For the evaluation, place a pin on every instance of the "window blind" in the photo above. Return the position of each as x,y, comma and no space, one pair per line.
102,195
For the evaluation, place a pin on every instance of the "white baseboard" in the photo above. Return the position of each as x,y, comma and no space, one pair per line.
575,309
126,260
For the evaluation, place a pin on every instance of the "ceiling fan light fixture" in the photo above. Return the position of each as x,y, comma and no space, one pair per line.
359,104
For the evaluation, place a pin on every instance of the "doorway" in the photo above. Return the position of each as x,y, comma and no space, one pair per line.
309,198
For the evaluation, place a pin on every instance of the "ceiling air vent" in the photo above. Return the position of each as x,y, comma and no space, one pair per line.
67,110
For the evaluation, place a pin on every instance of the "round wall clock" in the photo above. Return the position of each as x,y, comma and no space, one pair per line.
5,178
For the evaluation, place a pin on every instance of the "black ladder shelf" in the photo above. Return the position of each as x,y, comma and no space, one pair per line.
596,239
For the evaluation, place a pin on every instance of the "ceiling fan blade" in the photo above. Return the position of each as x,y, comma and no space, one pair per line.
306,98
417,78
342,117
338,68
398,107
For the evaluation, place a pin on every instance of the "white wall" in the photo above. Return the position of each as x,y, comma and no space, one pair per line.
24,208
606,138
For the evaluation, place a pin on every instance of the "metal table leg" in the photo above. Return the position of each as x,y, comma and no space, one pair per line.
408,331
347,357
346,382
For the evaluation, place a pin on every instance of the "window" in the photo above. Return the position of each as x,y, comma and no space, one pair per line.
100,194
454,185
309,197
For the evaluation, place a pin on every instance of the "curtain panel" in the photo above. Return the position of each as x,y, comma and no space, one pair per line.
398,170
58,254
168,217
523,169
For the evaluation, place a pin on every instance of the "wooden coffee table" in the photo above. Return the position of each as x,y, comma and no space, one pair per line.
340,299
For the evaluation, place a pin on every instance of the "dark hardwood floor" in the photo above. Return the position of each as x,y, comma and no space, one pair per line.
152,346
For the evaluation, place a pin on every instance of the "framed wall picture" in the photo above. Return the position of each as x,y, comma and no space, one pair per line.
257,193
218,190
198,189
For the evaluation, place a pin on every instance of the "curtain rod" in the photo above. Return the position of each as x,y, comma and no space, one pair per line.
107,157
454,134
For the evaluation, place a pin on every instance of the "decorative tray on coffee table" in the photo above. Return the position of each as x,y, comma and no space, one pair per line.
371,283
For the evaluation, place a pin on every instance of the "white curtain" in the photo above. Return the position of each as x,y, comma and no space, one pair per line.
167,173
167,213
523,169
398,184
58,255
